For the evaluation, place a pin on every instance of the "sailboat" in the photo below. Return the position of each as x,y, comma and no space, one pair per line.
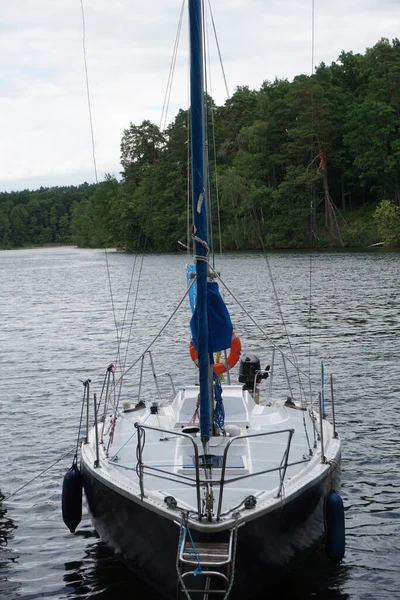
218,490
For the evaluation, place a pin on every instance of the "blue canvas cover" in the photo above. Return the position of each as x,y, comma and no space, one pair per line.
219,321
190,275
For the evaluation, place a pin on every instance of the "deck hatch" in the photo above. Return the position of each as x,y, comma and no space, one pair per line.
214,460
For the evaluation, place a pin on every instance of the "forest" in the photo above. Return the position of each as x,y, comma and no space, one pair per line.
313,162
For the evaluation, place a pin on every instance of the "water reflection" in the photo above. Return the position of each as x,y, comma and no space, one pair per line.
317,577
99,574
7,555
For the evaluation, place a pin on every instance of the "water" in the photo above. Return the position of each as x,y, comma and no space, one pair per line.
58,328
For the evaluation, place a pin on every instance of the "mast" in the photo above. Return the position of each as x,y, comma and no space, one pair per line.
200,209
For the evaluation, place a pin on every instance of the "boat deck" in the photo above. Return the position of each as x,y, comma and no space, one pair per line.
262,460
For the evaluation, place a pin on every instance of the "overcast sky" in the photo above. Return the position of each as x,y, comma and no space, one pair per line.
44,121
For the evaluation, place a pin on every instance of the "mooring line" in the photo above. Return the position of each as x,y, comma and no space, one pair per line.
39,474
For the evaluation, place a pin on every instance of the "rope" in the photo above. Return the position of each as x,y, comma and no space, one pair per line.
110,432
129,439
219,412
39,474
139,466
196,412
180,542
74,450
202,243
198,257
198,570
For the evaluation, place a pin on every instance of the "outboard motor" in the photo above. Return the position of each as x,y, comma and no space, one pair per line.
248,367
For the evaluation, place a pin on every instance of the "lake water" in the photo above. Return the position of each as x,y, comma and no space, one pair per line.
58,328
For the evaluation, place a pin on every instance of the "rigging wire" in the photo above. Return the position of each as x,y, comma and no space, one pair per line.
312,200
189,215
133,310
123,365
125,312
294,363
219,50
312,35
74,448
94,159
278,303
216,184
212,136
266,336
167,97
312,221
206,109
88,90
167,322
119,333
149,216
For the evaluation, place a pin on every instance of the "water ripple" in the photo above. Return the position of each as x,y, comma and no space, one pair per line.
57,329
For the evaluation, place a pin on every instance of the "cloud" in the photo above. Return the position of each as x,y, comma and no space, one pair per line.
44,122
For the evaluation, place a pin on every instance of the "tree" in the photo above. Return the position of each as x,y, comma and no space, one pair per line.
373,131
141,146
387,217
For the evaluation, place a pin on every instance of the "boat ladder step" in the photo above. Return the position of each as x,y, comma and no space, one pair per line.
205,567
206,553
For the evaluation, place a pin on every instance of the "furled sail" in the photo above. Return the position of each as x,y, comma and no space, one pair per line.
219,321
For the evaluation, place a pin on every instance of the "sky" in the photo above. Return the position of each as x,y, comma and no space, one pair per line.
45,132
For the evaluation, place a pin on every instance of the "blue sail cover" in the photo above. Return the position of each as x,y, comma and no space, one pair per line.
219,321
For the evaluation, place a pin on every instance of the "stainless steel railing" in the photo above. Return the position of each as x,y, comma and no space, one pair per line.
207,481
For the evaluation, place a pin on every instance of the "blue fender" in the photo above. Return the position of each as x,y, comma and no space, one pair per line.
72,497
335,526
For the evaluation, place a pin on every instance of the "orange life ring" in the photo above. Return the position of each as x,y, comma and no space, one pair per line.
221,367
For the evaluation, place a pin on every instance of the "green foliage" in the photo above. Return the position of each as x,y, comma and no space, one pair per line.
40,217
360,228
141,146
283,161
387,217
